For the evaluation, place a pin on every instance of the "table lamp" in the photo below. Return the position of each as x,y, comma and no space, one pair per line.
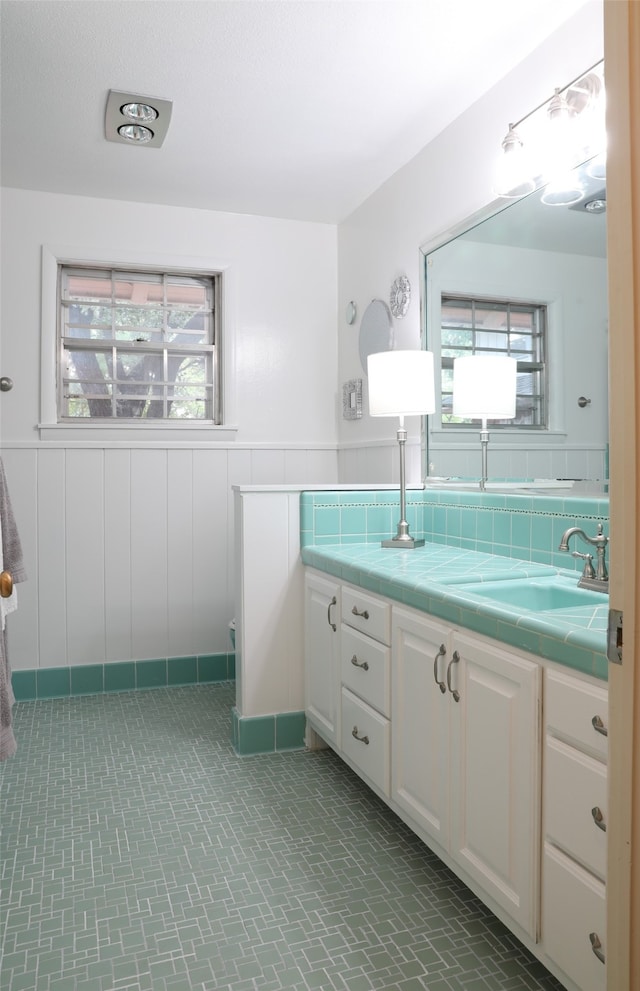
401,383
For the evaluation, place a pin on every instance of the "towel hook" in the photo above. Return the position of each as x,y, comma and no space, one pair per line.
6,384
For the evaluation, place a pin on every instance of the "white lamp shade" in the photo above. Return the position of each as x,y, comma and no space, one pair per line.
401,383
484,387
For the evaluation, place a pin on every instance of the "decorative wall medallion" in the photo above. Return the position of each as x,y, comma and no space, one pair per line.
352,399
400,296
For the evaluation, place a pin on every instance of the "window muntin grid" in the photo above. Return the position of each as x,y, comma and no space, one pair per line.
138,346
489,326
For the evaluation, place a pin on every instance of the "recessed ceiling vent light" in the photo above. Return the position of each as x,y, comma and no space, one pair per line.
136,133
139,111
128,115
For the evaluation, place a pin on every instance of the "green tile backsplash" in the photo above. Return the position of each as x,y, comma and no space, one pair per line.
528,527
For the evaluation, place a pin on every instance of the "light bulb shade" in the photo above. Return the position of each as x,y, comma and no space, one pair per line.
401,383
513,171
484,387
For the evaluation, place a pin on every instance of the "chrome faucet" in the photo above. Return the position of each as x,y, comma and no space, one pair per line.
595,578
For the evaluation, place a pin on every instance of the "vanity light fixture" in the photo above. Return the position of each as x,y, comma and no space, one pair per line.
559,134
484,388
513,176
401,383
141,120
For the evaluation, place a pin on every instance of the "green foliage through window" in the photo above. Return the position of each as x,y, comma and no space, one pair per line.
138,345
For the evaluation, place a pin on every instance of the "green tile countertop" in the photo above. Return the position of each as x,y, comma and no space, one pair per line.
429,578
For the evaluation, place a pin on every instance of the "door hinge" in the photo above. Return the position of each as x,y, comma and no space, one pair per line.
614,636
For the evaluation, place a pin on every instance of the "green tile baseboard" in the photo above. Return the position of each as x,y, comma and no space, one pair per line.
267,734
122,676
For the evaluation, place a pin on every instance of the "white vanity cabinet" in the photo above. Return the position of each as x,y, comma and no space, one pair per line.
322,657
574,825
366,686
504,776
465,745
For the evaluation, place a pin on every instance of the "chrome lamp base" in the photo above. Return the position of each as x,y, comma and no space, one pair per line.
408,543
403,538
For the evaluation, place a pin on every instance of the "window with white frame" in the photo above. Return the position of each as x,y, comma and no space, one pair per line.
497,326
138,345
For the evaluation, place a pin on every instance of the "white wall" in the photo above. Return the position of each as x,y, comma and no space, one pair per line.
128,542
449,180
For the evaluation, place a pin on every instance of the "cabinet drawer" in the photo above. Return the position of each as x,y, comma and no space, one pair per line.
575,789
365,613
366,669
370,752
573,908
575,709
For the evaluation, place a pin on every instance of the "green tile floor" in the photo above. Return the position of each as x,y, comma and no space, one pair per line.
140,854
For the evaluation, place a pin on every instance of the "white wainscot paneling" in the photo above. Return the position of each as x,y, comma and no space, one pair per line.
212,535
117,554
84,527
180,551
50,562
149,553
129,552
269,603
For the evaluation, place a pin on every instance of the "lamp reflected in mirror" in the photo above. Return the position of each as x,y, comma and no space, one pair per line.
484,388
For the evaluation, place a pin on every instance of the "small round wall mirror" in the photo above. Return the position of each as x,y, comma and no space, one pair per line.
375,330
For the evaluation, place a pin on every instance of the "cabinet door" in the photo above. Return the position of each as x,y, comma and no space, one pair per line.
496,774
322,656
419,722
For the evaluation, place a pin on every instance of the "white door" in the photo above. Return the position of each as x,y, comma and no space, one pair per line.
495,776
322,656
419,722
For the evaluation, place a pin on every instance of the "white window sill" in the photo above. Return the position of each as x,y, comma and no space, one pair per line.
124,434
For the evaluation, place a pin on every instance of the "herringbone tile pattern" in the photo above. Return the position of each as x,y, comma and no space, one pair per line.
140,854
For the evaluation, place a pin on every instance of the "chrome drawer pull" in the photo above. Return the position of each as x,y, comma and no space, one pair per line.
598,818
364,613
441,653
596,946
362,739
333,602
599,726
454,691
359,664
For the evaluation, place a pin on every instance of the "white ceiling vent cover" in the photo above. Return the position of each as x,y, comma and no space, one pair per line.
132,119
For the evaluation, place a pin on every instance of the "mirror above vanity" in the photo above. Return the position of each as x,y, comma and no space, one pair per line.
527,252
525,277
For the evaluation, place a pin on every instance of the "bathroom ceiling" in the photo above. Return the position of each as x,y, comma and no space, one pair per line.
285,108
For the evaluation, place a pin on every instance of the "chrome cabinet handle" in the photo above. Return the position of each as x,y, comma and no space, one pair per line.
454,691
333,602
441,653
596,946
362,739
364,613
599,726
598,818
359,664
